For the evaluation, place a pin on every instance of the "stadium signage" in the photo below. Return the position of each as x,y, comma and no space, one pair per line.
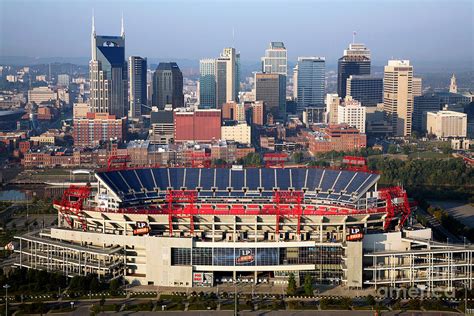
142,228
354,234
245,256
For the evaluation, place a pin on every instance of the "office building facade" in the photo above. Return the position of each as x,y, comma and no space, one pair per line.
207,84
398,96
137,69
355,61
201,125
422,105
168,86
271,90
366,89
108,74
447,124
352,113
311,82
332,107
275,60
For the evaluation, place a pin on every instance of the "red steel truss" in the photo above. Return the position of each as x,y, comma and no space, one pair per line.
396,203
72,204
275,159
288,198
118,162
180,204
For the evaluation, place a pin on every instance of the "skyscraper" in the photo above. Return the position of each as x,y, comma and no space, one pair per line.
168,86
275,59
137,68
398,96
207,84
108,74
220,79
417,86
271,90
232,61
366,89
356,61
311,82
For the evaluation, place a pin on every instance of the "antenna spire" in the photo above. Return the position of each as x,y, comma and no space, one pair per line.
353,37
93,22
233,37
122,32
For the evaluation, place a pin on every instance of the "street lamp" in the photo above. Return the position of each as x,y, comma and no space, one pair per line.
6,286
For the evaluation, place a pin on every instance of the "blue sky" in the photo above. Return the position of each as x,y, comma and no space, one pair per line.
413,29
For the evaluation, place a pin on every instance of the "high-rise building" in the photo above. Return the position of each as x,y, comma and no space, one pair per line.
108,74
137,68
366,89
398,96
422,105
207,84
352,113
417,86
168,86
311,82
332,107
295,82
232,79
355,61
275,59
271,90
219,80
453,87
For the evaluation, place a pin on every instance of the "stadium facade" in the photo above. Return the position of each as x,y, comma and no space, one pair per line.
201,226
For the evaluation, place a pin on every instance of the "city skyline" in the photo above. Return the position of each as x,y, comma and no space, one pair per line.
416,39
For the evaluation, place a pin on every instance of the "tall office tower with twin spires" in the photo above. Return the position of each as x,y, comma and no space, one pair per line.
108,74
356,61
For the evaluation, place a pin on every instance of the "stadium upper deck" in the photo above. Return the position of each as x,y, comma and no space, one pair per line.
135,186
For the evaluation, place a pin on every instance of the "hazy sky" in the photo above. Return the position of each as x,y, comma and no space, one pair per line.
411,29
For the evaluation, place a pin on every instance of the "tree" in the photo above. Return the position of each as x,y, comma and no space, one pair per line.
392,149
370,300
114,285
291,290
94,285
308,284
298,157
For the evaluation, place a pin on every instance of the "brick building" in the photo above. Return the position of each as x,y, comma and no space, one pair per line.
97,128
339,137
199,125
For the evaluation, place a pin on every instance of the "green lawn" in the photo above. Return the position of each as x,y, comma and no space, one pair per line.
428,155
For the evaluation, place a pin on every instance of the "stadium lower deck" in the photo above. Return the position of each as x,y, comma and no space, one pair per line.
200,226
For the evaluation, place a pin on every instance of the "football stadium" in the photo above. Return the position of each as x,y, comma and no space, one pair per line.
185,227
